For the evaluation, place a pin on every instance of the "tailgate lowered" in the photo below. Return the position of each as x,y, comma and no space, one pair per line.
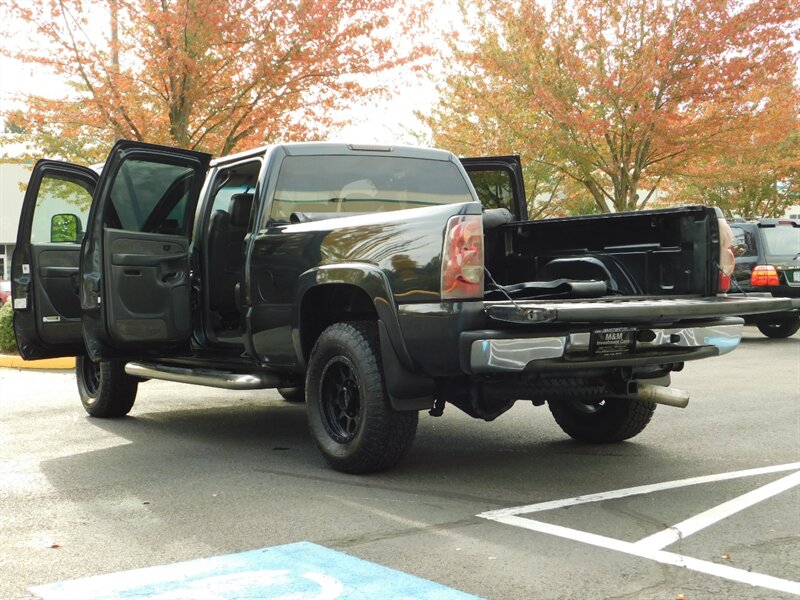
633,310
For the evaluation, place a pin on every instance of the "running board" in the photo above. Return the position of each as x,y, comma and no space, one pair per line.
208,377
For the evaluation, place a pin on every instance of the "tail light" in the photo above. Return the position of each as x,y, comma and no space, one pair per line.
764,275
727,260
462,258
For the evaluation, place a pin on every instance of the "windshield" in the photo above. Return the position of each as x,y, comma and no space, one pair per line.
782,240
364,184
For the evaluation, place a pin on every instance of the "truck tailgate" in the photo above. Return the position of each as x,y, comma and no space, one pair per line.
630,310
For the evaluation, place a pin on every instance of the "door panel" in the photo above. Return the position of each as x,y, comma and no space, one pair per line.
58,310
149,299
45,264
135,266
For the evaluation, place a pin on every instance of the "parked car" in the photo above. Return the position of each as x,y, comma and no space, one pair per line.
5,291
768,261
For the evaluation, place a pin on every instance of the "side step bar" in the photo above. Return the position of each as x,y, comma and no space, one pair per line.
208,377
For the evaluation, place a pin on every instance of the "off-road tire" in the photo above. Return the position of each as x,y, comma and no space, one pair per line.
351,420
295,395
601,422
106,390
779,328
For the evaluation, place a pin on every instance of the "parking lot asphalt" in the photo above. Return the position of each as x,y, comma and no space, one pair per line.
196,473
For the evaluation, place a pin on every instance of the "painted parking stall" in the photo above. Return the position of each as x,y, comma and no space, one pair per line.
653,546
301,571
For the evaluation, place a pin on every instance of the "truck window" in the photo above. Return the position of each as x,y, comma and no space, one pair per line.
62,210
234,180
494,188
364,184
150,197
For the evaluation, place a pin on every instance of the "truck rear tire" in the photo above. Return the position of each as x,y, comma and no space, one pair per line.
779,328
604,421
351,420
106,390
295,395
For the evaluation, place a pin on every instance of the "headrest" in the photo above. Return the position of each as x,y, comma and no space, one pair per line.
494,217
239,208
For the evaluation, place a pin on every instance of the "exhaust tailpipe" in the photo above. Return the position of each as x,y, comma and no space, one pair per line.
659,394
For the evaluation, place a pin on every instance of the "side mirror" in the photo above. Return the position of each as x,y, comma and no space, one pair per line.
65,227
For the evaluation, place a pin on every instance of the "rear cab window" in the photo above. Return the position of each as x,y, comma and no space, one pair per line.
309,185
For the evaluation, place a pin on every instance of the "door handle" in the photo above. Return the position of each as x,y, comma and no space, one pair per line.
144,260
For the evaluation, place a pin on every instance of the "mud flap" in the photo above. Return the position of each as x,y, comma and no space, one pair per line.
406,390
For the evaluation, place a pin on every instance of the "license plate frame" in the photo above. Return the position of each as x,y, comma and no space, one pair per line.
613,341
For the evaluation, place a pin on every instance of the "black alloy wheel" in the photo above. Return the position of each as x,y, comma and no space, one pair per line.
341,400
91,376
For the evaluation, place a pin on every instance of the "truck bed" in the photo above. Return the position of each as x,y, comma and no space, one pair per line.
671,252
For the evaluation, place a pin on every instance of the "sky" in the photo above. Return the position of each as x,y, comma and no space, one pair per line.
393,122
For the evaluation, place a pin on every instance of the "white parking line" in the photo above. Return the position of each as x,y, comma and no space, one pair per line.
651,546
686,528
666,558
635,491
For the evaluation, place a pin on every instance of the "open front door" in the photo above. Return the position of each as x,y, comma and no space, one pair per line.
45,263
135,278
498,182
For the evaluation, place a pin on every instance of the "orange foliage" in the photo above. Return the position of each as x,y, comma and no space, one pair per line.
619,96
213,75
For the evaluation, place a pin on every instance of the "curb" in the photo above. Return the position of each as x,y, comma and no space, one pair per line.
16,362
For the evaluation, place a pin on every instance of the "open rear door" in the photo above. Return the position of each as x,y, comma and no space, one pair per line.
44,266
498,182
135,282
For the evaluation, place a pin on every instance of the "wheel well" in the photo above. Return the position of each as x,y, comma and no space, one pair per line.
327,304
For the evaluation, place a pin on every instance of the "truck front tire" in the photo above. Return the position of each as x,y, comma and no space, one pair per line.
604,421
106,390
351,420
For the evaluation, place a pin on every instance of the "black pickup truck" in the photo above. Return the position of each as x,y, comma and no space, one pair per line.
371,282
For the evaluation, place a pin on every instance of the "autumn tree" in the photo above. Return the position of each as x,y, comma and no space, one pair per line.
617,96
213,75
755,177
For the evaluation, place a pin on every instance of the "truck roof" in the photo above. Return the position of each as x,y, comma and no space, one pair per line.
337,148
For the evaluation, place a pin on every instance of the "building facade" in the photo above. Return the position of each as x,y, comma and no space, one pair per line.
13,177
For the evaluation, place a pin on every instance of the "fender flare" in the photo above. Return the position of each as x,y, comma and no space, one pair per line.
407,390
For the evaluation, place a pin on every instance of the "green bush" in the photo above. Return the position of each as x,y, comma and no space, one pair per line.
8,342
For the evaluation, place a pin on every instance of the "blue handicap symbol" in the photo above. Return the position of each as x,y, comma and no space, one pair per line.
301,571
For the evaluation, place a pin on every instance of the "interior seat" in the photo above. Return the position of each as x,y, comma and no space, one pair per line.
226,253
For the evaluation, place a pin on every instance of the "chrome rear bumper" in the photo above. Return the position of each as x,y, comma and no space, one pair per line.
674,344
